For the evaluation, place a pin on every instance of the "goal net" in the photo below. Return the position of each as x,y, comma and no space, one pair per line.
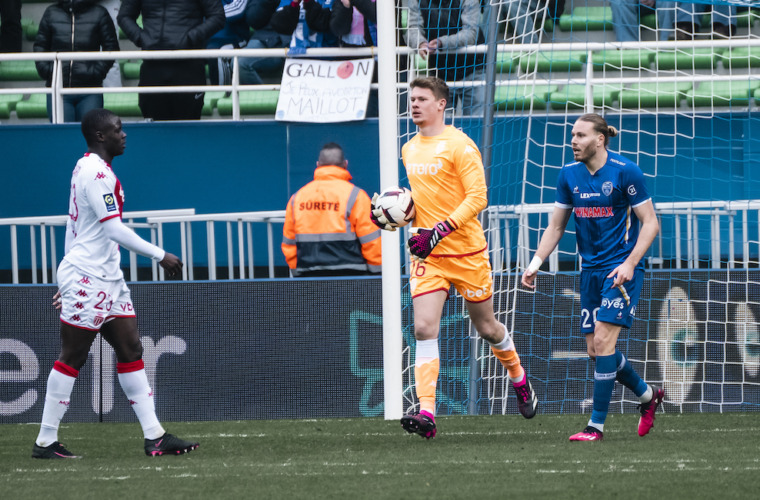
683,96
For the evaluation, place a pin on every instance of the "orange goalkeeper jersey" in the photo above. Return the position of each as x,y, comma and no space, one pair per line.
448,182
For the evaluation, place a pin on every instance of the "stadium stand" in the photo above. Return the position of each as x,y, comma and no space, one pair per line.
521,97
587,19
574,96
590,20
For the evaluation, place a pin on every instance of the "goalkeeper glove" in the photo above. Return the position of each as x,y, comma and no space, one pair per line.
421,244
377,217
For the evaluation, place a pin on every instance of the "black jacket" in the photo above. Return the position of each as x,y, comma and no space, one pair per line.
258,14
285,19
76,26
342,18
171,24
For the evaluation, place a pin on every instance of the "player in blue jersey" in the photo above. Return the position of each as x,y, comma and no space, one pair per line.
615,225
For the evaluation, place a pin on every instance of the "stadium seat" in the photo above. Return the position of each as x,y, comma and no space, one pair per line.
252,102
130,70
34,107
18,71
653,95
722,93
688,59
29,28
10,100
648,21
420,63
505,62
574,96
8,104
747,18
557,61
741,57
587,19
209,102
623,59
519,97
124,105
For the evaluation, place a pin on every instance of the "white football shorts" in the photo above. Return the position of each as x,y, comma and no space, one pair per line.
87,302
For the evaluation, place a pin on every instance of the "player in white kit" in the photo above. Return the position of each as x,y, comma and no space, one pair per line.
93,296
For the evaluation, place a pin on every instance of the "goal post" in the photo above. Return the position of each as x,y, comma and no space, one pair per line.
389,154
687,115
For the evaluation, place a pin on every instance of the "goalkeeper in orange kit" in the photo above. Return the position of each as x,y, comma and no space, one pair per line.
448,184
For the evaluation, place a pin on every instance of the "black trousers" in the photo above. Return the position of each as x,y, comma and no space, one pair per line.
10,26
172,106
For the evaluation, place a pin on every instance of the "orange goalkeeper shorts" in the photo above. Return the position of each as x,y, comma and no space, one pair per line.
470,275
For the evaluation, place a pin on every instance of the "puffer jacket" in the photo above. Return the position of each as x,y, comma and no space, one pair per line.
76,26
171,24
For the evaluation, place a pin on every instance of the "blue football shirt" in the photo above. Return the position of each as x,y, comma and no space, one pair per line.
606,225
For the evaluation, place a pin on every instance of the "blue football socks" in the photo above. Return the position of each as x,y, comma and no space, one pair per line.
627,376
604,383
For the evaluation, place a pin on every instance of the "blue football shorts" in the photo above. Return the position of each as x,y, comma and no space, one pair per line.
601,302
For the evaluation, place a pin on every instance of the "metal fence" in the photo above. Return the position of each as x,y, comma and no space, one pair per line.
729,238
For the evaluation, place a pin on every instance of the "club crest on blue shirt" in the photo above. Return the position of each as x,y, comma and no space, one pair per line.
607,188
110,202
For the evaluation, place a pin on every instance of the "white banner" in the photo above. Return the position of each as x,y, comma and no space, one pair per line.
319,91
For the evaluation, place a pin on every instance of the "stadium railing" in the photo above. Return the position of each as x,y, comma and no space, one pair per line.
245,239
592,75
727,222
239,236
235,88
729,245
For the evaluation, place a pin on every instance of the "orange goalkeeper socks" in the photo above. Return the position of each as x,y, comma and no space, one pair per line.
511,362
426,377
426,368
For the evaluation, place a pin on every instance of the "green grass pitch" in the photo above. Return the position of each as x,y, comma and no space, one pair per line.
689,456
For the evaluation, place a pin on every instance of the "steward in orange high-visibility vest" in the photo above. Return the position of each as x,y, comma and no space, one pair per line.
328,231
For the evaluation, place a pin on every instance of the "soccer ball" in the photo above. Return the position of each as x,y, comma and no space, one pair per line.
397,206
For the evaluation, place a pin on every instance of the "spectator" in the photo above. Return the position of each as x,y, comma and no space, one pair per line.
113,78
10,26
171,25
328,231
354,22
524,15
687,19
76,26
308,23
625,18
258,15
235,34
434,27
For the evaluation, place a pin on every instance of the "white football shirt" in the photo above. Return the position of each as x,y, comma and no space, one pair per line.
96,196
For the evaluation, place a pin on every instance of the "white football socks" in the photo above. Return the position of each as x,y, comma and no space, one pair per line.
57,400
138,391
